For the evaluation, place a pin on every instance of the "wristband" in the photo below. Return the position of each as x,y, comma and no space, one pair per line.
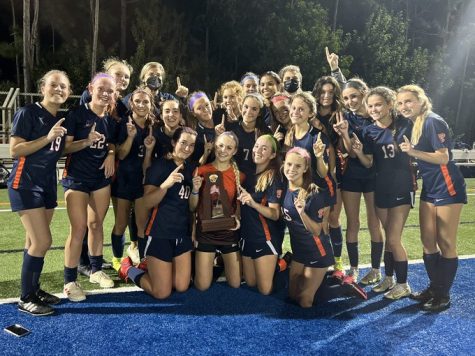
193,193
111,152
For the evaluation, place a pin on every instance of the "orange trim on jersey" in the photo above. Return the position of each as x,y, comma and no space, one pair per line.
319,245
448,180
66,165
19,170
331,188
152,219
265,226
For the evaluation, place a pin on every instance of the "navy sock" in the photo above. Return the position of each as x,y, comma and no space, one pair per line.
84,258
133,233
118,242
96,263
70,274
352,248
388,264
142,243
336,238
431,262
376,253
31,265
135,274
400,267
446,271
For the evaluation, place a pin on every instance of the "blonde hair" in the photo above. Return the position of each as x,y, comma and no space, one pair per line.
311,102
42,80
112,61
233,162
232,85
426,108
151,65
308,187
266,178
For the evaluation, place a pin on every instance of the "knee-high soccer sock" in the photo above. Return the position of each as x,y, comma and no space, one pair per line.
400,267
445,275
70,274
336,238
118,243
96,263
31,265
133,233
142,243
135,274
376,254
84,258
352,248
431,262
388,264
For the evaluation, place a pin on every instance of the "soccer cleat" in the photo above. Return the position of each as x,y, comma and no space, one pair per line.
125,265
133,253
84,270
338,270
102,279
74,292
422,296
47,298
352,276
106,264
372,277
143,265
116,263
386,284
34,306
340,275
436,304
399,291
355,290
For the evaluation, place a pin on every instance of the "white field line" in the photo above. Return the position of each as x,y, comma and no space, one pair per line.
137,289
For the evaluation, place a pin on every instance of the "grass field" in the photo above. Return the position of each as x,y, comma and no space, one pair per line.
12,240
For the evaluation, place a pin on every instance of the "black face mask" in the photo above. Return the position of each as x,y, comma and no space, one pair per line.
291,85
154,83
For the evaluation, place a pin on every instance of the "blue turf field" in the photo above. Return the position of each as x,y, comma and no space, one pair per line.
226,321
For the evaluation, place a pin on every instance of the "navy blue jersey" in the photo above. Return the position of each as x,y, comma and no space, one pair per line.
307,141
37,170
438,181
170,219
158,99
394,174
218,118
353,168
84,165
314,208
163,144
244,153
122,109
254,226
200,142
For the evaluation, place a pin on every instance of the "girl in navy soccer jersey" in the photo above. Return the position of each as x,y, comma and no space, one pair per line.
36,144
442,197
328,95
225,241
394,182
358,180
304,209
280,121
269,85
261,230
250,126
134,153
172,118
167,191
228,115
200,111
90,145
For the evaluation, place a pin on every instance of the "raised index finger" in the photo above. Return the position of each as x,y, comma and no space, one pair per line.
59,122
150,131
93,127
178,82
319,137
223,119
327,52
405,139
178,168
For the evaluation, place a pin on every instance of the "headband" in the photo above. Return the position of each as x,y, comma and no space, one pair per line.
272,140
278,98
194,97
102,75
250,76
301,152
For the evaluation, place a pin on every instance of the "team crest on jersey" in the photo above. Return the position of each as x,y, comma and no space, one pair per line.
279,193
441,137
320,213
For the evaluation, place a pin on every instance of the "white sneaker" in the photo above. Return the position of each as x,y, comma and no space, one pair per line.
102,279
133,253
399,291
74,292
372,277
386,284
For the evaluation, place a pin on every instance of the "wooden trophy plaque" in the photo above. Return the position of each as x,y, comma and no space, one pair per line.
215,208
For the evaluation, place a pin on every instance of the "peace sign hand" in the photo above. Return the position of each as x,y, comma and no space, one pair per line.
174,177
319,146
181,90
341,126
56,131
332,60
208,146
